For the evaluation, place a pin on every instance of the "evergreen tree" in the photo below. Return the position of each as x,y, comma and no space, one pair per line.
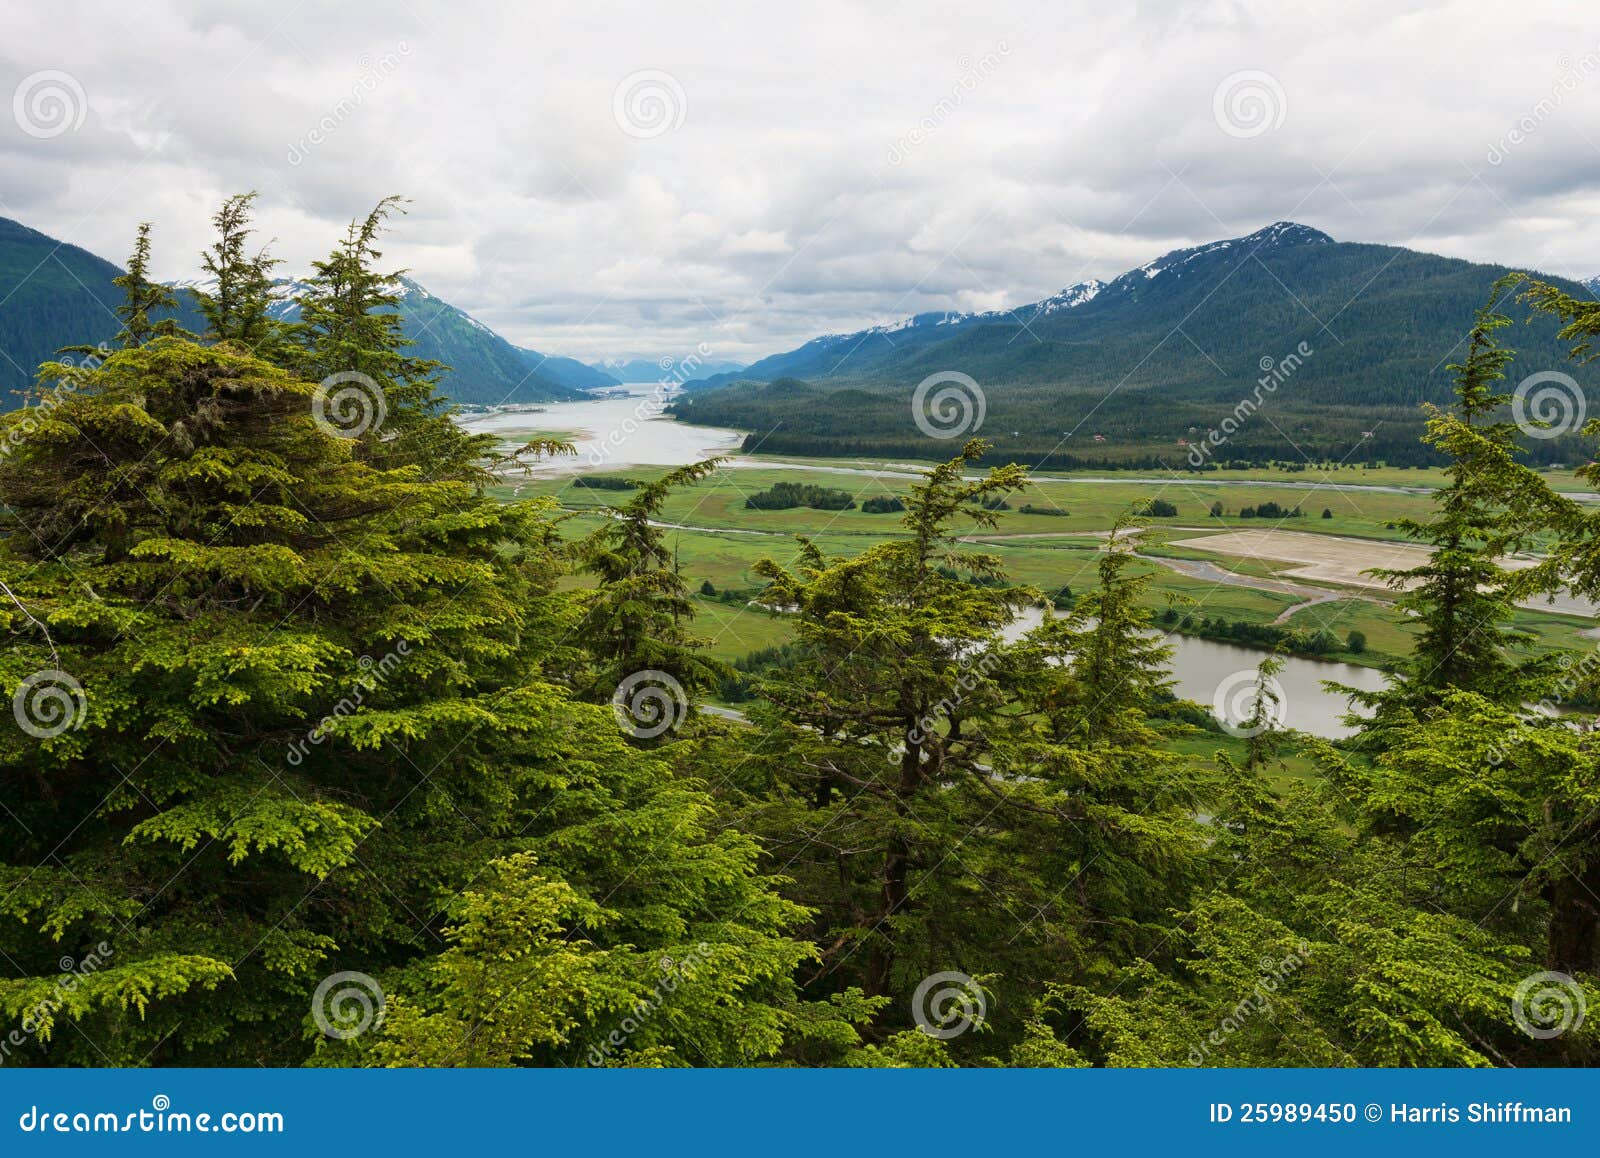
1462,599
636,620
349,337
238,307
142,297
277,706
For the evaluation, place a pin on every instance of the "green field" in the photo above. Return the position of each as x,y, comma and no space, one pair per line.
720,540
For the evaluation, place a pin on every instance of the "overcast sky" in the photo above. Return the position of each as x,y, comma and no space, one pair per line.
602,179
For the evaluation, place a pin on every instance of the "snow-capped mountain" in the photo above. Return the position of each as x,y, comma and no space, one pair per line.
841,355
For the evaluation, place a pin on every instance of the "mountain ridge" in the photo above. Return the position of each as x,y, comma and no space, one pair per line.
1143,363
55,294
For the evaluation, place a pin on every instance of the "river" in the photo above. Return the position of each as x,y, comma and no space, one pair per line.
623,430
628,429
1206,668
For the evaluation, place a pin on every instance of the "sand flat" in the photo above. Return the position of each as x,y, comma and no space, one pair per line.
1335,559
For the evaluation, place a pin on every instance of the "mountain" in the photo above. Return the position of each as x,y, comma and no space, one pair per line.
1593,285
485,368
654,369
1123,370
53,294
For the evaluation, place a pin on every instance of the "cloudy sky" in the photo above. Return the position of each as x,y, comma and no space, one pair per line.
612,178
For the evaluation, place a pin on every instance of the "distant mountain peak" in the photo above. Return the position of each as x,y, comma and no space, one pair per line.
1287,233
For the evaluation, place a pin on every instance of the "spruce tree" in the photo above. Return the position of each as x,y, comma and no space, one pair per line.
238,307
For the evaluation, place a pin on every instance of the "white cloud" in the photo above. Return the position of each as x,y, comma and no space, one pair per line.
837,164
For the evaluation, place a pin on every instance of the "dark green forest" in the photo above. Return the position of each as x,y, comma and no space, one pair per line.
326,756
1363,338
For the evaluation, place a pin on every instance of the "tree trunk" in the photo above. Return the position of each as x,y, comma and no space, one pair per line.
1573,940
896,868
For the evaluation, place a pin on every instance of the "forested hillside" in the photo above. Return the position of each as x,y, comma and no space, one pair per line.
53,295
1164,352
